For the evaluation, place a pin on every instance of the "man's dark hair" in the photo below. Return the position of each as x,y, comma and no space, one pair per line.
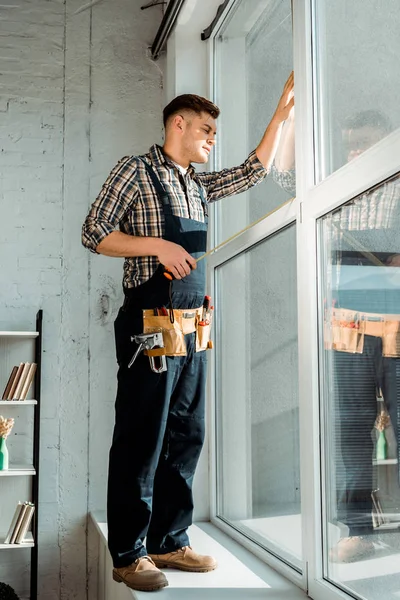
7,593
191,102
368,118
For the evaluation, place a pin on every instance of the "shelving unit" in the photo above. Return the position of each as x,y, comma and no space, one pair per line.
28,470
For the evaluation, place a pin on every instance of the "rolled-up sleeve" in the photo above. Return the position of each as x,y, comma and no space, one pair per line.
285,179
116,197
228,182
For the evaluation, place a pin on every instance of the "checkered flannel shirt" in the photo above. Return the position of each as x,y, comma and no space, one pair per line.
373,218
129,201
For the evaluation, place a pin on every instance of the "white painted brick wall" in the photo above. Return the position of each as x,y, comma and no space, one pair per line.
77,92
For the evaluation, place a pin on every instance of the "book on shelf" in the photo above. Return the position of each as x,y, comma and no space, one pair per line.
7,389
15,382
13,522
26,521
20,381
20,523
28,381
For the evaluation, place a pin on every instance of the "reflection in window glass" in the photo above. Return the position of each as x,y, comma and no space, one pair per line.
360,361
357,48
253,61
257,396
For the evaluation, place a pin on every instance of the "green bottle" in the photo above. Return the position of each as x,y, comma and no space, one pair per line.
3,454
381,446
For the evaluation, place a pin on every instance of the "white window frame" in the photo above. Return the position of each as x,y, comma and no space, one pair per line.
283,217
312,201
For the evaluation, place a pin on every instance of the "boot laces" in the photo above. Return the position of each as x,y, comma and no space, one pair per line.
137,561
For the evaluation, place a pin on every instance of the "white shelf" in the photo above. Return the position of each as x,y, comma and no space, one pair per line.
27,544
18,471
387,461
388,526
19,334
17,402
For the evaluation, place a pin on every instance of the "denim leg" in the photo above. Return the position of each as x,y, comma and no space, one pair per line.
172,498
140,421
356,381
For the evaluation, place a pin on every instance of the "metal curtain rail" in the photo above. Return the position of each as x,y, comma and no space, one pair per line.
171,14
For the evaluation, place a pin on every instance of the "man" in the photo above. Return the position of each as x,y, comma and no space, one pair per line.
364,233
160,204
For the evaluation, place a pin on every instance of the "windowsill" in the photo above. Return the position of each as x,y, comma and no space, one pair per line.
240,575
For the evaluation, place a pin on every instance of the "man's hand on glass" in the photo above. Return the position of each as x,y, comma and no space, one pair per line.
286,101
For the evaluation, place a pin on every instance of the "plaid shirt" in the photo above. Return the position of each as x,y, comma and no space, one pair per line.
373,218
129,201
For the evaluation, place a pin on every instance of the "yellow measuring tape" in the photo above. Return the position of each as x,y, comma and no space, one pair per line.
233,237
167,273
356,245
346,234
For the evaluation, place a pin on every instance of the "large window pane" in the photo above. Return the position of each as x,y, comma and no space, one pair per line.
253,61
358,79
257,396
360,362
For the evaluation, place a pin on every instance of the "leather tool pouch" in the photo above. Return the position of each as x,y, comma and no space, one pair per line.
185,321
344,332
203,336
173,336
391,339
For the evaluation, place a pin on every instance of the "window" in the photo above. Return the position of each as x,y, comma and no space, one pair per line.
360,366
357,49
307,362
253,59
257,396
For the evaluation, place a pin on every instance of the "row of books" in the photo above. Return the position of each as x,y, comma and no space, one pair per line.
20,523
19,382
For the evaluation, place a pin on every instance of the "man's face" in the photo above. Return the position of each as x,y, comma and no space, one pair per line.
198,137
356,141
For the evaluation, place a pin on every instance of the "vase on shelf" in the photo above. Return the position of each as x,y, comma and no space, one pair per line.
381,446
5,429
3,454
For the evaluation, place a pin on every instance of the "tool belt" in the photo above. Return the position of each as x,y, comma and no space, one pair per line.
185,321
344,330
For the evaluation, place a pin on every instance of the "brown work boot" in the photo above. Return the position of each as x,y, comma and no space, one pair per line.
141,575
351,549
185,559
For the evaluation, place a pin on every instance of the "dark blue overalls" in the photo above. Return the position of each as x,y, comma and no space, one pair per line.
160,420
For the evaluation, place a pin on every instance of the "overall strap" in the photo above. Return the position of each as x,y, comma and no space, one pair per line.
202,195
160,189
203,201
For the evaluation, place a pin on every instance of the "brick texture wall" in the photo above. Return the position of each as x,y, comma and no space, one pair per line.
77,91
